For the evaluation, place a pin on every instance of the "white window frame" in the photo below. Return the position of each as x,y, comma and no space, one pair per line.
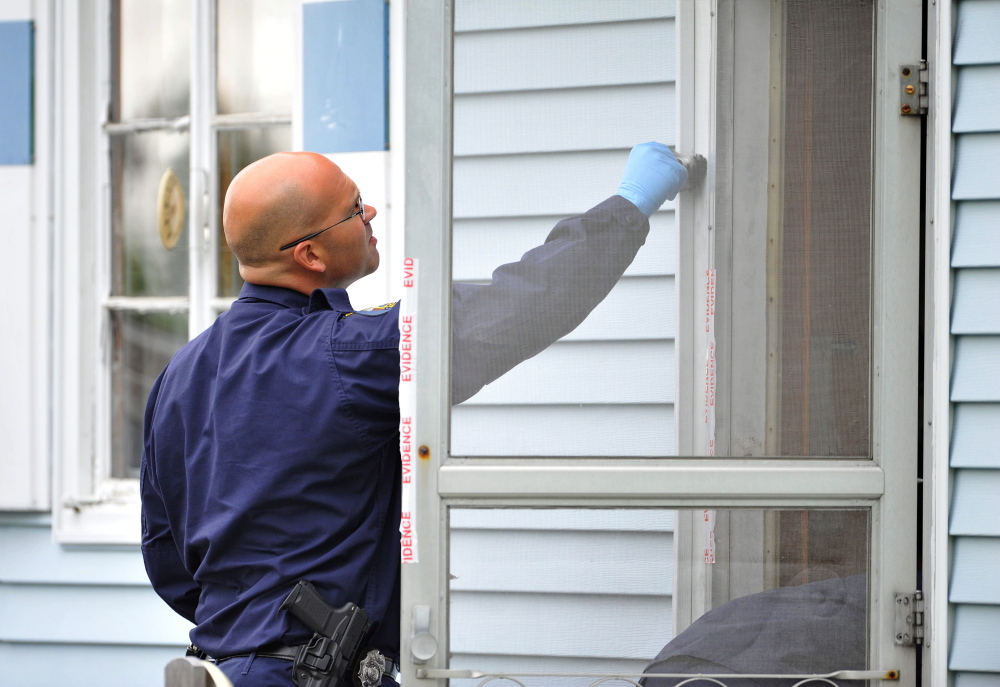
443,481
88,506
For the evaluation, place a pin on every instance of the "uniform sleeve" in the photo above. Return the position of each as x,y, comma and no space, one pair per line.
164,566
531,303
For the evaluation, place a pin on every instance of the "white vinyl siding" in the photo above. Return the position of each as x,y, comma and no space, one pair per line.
549,99
548,102
975,325
83,616
560,590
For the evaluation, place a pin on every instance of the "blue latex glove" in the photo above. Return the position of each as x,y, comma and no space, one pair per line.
652,176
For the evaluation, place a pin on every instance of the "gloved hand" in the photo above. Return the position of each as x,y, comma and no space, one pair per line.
652,176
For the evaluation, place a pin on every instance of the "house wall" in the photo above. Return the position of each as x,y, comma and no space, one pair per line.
975,324
79,615
549,99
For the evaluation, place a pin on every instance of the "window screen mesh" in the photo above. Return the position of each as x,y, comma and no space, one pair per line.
548,101
631,591
825,232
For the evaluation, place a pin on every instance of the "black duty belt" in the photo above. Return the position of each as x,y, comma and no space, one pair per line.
288,653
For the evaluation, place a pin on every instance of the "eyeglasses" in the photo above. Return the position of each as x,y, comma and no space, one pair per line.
359,211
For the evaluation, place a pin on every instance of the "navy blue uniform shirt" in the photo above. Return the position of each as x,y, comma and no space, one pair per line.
271,445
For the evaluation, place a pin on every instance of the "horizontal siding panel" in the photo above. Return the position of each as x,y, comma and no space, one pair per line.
543,664
974,638
976,371
973,571
564,561
37,559
977,234
976,680
480,245
592,372
557,120
975,509
976,174
549,519
88,615
976,32
485,15
976,96
575,56
561,184
637,308
976,303
577,430
66,665
561,624
975,436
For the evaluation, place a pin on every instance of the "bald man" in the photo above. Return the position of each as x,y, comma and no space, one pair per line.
271,444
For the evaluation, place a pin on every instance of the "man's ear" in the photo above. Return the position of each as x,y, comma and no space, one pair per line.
305,256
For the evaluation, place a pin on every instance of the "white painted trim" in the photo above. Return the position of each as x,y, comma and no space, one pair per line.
937,473
17,10
41,256
395,204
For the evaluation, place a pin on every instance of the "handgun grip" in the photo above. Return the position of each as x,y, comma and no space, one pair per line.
307,605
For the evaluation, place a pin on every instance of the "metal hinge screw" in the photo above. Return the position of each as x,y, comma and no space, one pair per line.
910,619
913,93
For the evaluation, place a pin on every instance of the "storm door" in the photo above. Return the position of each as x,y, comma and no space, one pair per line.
699,459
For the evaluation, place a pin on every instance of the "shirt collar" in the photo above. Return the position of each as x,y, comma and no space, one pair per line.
320,299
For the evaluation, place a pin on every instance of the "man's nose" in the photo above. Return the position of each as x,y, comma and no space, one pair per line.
370,212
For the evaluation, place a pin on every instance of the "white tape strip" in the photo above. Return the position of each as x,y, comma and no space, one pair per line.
709,516
710,362
710,386
408,410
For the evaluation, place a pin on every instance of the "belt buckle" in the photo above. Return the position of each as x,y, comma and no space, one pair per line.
371,669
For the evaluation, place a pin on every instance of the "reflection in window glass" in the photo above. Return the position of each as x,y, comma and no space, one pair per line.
603,591
142,345
237,149
255,56
151,68
143,264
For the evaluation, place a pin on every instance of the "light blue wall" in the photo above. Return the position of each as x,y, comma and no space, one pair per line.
975,324
79,615
345,76
16,59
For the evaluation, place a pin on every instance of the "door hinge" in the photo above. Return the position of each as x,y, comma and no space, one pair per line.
913,95
910,619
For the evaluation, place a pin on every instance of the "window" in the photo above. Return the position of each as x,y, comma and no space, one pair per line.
793,415
169,101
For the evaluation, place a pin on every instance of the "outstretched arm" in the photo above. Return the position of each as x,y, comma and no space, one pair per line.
531,303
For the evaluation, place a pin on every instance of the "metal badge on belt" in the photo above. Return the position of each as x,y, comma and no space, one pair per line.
371,668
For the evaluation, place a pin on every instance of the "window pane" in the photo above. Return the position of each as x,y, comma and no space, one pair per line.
149,259
151,68
571,351
630,590
142,345
544,117
255,55
237,149
823,238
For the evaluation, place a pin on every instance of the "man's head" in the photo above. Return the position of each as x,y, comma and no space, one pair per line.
283,197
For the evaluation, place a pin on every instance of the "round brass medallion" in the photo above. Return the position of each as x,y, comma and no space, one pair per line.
170,209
